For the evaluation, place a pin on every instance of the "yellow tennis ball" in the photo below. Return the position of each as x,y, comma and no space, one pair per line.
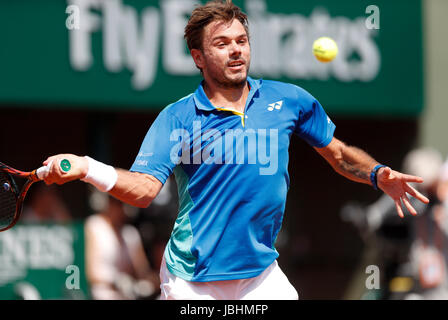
325,49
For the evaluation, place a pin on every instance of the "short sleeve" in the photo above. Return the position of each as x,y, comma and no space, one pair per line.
313,125
156,152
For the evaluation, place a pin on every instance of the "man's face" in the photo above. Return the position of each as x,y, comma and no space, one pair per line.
225,58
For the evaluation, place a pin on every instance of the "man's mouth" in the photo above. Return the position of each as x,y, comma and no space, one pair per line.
235,64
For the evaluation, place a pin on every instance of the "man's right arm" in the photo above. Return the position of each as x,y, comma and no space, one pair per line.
134,188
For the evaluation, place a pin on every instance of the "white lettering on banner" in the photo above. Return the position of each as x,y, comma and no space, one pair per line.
281,43
176,59
124,43
35,247
81,55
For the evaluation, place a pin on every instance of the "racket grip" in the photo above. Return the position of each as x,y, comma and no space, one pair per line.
42,172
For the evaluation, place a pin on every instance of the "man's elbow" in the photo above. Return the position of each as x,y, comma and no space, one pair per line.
145,201
144,190
334,153
149,196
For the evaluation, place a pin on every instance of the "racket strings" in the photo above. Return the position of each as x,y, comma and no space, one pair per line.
7,200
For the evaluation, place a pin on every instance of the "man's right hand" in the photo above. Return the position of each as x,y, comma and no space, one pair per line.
134,188
78,170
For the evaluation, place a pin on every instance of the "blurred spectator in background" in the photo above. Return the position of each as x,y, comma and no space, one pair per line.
411,252
442,190
428,254
116,263
431,249
44,204
155,222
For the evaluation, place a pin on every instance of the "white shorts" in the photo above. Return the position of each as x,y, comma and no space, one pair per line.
271,284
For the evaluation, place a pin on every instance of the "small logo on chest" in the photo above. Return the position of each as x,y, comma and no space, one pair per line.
276,105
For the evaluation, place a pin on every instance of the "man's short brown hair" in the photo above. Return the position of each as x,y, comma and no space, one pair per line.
215,10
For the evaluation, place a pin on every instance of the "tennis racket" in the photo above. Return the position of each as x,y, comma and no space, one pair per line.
11,197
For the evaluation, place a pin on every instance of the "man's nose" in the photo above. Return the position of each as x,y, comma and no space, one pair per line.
235,49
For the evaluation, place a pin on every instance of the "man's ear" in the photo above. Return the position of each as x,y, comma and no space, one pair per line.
198,58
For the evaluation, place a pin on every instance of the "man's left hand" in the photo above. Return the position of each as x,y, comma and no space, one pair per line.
396,185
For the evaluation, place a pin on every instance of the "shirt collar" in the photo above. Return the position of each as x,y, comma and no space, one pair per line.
203,103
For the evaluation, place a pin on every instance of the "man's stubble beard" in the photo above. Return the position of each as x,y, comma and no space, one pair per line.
226,83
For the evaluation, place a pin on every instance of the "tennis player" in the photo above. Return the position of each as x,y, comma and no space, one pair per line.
227,145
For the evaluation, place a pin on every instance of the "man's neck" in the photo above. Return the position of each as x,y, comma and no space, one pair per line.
229,98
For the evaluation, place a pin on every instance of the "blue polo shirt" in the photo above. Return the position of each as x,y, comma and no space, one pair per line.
231,170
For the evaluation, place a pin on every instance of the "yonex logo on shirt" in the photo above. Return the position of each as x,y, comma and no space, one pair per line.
276,105
141,162
234,146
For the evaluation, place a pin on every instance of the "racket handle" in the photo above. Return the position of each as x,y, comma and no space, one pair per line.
42,172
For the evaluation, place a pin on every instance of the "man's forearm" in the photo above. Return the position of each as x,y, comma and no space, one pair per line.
136,189
351,162
355,164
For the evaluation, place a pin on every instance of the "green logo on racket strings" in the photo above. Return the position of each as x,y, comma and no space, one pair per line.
65,165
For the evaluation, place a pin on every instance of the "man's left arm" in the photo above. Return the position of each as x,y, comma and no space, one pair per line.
355,164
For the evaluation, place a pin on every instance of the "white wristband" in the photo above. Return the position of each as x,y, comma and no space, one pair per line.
102,176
